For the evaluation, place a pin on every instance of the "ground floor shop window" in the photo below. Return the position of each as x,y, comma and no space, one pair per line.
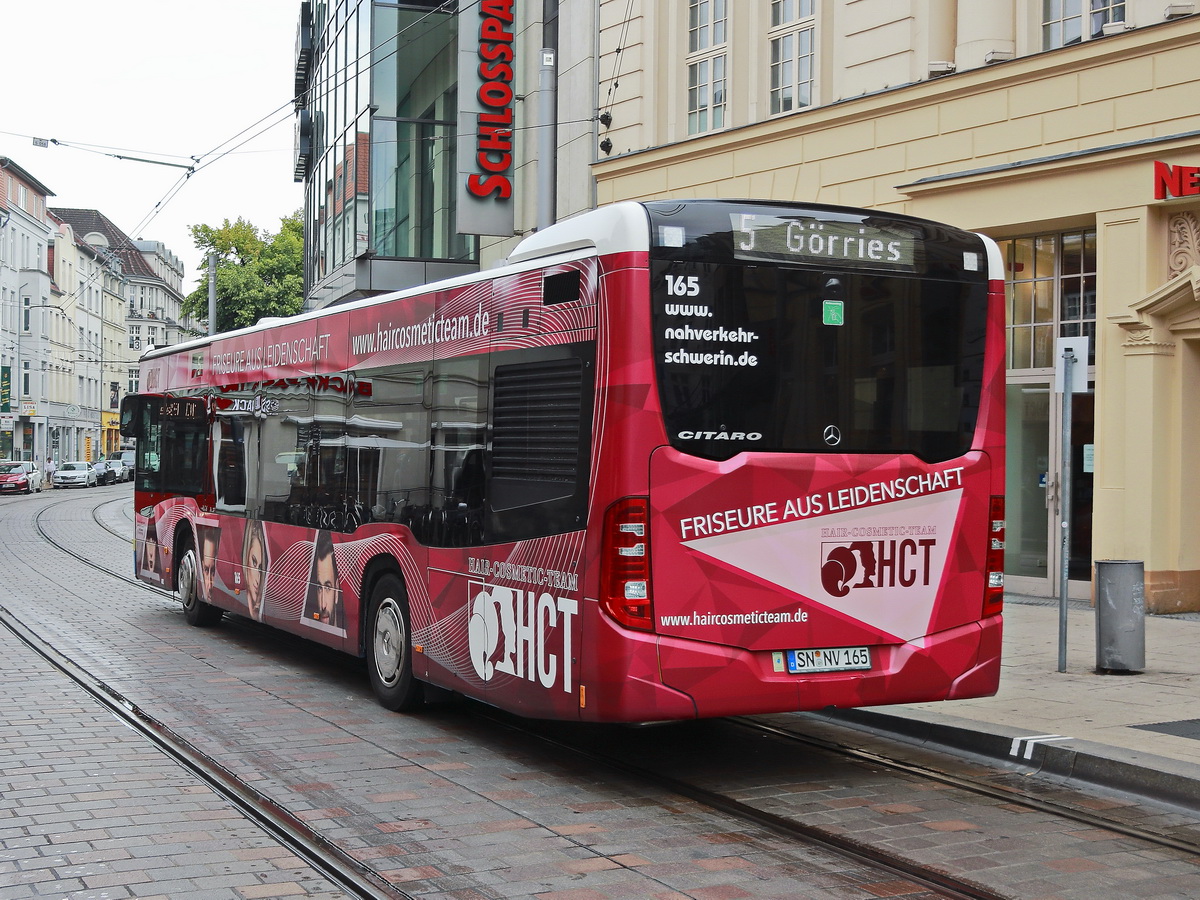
1050,286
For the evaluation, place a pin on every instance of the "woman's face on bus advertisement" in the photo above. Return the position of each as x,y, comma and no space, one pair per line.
252,573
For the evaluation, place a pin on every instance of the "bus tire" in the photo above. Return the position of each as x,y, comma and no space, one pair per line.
187,582
389,646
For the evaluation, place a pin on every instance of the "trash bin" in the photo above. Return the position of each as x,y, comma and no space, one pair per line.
1120,616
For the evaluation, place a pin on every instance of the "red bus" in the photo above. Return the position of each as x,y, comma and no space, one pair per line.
673,459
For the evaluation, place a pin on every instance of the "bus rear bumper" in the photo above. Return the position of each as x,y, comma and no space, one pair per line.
955,664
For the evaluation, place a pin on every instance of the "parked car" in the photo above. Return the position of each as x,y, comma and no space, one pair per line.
19,477
78,473
123,460
105,474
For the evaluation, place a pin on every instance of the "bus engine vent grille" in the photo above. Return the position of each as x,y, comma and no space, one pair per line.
536,412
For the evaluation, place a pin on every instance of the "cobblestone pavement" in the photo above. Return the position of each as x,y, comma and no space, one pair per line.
92,809
444,804
441,807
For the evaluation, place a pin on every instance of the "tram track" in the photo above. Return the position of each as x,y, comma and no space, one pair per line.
931,878
339,867
362,881
126,505
1005,794
753,809
309,845
39,521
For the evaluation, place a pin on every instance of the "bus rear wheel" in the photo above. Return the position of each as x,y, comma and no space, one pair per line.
187,582
389,647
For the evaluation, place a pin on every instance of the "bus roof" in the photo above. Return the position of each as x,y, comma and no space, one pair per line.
619,227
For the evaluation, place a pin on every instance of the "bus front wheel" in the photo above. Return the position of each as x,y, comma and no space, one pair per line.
389,647
187,582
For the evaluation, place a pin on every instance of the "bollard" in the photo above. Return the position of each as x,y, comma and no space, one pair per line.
1120,616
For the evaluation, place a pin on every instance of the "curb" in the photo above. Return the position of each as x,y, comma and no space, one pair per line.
1143,774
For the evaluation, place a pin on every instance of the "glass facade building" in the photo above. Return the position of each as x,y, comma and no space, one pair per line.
376,98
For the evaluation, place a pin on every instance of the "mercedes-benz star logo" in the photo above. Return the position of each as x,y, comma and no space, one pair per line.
833,435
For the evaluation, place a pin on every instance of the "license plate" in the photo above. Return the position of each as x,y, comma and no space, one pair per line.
829,659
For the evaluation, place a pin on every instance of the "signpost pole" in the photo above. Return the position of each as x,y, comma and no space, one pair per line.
1064,506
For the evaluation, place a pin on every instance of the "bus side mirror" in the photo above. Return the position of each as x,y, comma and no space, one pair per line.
131,409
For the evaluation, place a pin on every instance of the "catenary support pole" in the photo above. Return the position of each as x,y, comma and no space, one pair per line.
547,142
212,293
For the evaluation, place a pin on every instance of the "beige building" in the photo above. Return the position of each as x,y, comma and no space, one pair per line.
1069,130
84,326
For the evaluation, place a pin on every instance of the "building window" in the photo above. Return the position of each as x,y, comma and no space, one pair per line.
784,12
1063,20
791,39
706,95
707,26
1050,282
400,191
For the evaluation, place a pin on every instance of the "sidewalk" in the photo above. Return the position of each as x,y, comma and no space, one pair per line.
1135,732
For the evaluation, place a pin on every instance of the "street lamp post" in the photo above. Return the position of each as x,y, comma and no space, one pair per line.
23,300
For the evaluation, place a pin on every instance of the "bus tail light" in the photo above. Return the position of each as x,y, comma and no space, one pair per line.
625,566
993,593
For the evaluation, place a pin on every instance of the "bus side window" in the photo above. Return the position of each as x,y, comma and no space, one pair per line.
392,420
282,454
460,400
230,461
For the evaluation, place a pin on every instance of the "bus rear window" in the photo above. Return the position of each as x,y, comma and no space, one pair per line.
776,359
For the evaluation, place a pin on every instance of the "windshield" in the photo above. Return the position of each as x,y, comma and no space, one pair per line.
11,468
75,466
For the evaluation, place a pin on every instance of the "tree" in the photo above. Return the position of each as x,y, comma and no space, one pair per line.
258,274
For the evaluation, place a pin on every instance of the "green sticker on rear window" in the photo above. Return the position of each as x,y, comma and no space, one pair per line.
832,313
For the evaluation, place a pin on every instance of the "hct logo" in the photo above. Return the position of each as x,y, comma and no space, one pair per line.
875,564
510,632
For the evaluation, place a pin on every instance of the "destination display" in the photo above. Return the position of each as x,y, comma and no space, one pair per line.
184,409
823,241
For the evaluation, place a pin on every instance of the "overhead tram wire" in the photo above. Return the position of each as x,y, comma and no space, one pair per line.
86,147
331,81
201,162
156,162
614,82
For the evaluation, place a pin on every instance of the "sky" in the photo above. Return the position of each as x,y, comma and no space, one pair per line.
164,80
